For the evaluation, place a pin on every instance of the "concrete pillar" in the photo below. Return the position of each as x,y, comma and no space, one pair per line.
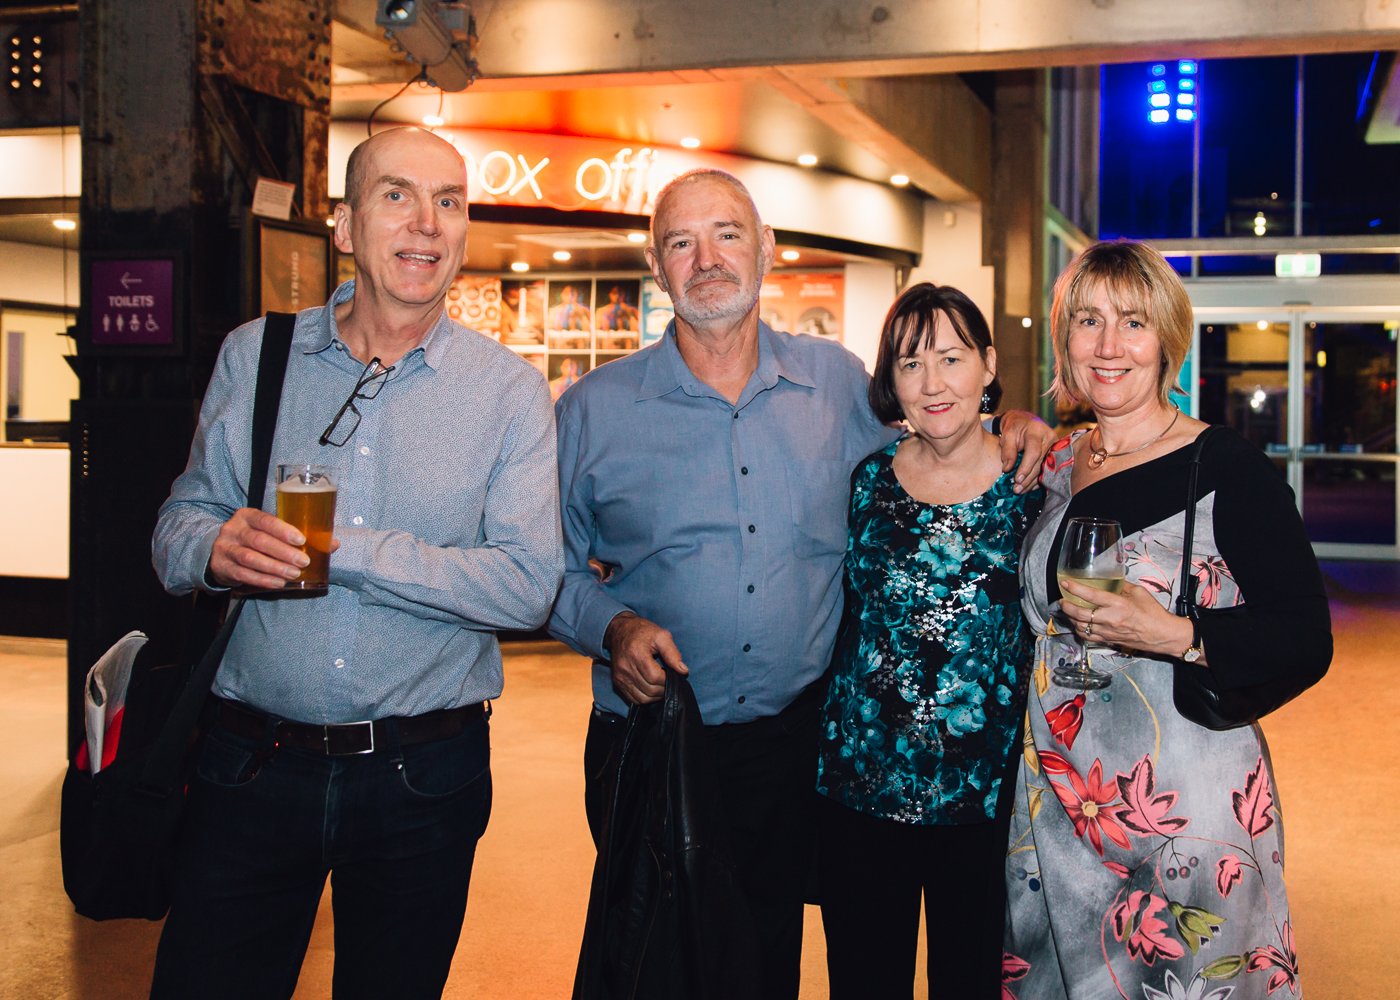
185,103
1014,231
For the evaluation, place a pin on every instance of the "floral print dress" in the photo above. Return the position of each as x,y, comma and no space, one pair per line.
928,682
1146,853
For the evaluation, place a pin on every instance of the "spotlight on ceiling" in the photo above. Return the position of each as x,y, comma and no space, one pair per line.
519,266
807,160
790,255
899,180
439,36
562,255
67,225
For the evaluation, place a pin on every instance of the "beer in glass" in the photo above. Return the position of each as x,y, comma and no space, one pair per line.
306,500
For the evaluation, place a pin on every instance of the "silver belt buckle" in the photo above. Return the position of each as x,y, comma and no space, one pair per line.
344,726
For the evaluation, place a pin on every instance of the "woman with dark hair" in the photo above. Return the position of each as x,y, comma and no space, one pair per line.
928,678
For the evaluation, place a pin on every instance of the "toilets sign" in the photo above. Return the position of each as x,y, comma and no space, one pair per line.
132,303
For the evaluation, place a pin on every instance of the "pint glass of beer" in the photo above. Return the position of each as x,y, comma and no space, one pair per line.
306,500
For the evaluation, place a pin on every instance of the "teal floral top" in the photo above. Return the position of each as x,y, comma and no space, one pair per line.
929,674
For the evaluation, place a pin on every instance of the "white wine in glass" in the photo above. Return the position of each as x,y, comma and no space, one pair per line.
1091,554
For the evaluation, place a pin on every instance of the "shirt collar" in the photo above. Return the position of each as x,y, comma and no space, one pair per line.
433,345
777,359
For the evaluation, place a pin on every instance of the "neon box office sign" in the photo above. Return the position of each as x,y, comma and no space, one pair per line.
563,172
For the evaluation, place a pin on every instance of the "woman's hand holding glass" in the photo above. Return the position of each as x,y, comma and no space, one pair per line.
1132,618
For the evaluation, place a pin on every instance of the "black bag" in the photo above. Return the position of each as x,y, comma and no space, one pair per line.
1196,690
117,828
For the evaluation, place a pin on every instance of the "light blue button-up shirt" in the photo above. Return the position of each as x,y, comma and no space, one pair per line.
446,517
724,523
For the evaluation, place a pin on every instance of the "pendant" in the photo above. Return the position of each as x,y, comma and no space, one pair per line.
1097,459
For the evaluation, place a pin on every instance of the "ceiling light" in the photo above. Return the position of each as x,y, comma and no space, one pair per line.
807,160
67,225
790,255
635,237
1262,325
1027,322
330,222
899,180
434,121
562,255
690,142
519,267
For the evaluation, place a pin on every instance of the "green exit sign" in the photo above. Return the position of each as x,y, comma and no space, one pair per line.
1298,265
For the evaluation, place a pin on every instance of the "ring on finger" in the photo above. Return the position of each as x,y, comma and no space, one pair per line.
1089,629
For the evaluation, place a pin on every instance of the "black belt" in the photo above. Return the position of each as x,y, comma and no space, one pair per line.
344,739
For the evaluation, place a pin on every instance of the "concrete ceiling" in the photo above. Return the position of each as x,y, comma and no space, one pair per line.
846,82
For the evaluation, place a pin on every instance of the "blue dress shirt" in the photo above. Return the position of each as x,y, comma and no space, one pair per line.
446,517
724,523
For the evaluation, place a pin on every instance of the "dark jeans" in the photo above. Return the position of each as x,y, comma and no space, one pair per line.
874,872
396,831
767,770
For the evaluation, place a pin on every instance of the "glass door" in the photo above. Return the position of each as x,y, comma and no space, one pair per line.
1347,414
1315,389
1240,373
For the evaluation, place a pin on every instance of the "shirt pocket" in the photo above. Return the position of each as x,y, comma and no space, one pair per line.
819,491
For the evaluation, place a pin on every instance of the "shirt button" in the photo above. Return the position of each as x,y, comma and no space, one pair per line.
744,470
339,663
747,647
750,588
741,699
364,449
736,416
752,529
357,519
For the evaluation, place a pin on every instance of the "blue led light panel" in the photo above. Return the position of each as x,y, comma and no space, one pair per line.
1180,77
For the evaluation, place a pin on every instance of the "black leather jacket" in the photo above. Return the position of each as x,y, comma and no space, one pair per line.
666,920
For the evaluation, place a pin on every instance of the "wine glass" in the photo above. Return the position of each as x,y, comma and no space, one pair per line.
1092,555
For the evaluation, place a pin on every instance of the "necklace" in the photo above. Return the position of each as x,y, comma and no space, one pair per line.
1099,455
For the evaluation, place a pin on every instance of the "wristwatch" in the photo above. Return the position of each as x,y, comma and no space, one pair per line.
1194,651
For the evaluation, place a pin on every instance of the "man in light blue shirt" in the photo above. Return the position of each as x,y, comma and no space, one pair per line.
351,733
709,477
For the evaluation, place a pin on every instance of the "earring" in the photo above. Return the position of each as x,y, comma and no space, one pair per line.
986,403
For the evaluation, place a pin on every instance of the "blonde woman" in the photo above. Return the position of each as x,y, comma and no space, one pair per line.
1146,852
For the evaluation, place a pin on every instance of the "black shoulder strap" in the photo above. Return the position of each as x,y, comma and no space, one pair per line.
1186,596
162,766
272,370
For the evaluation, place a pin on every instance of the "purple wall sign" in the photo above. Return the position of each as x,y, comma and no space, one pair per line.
133,302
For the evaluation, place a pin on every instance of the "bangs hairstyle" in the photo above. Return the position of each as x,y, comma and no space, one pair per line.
910,326
1137,279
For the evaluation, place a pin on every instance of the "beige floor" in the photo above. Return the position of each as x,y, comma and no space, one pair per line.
1332,752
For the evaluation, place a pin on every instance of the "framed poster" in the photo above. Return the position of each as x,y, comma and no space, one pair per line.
292,265
569,321
132,304
522,311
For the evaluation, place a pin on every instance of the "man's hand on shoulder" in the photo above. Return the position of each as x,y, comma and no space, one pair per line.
636,645
256,550
1026,435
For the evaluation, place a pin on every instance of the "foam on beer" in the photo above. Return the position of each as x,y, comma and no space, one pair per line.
299,486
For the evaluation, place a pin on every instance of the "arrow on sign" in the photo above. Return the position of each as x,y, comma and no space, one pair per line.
128,280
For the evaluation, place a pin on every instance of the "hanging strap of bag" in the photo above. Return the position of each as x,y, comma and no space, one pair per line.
1186,605
163,765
